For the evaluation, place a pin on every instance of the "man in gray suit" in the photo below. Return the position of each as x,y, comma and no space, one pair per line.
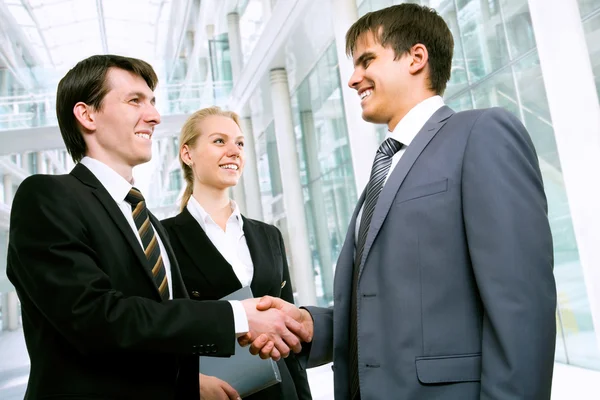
444,286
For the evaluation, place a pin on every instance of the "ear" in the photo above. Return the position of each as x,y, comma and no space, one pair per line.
85,116
185,155
419,58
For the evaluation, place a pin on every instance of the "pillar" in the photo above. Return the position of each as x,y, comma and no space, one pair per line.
293,198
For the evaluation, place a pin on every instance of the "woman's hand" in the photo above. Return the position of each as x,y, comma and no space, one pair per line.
212,388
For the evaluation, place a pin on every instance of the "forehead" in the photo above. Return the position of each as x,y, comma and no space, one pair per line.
120,80
366,42
219,124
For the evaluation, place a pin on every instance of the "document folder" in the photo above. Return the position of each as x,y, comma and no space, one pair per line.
247,374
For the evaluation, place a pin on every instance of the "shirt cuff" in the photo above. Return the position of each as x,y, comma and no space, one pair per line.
239,318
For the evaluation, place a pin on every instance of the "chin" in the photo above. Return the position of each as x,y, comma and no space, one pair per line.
143,159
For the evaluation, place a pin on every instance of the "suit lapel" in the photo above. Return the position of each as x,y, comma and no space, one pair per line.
82,173
201,251
429,130
263,256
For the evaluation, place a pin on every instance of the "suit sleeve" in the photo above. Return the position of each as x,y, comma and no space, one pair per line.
51,256
296,371
510,244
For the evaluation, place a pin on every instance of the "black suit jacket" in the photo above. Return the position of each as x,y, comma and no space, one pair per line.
208,276
94,324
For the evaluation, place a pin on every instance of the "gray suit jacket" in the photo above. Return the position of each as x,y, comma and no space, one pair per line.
456,293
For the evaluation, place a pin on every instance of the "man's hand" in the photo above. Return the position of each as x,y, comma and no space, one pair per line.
212,388
262,344
283,331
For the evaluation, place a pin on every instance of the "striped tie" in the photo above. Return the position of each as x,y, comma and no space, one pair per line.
381,166
149,241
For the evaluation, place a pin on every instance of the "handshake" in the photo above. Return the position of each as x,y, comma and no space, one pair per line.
275,327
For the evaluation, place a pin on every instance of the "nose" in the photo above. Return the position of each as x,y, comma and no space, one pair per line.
152,115
234,150
355,79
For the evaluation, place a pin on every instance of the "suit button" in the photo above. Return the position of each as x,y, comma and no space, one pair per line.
195,294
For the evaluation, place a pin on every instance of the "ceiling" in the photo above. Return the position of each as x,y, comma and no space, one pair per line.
62,32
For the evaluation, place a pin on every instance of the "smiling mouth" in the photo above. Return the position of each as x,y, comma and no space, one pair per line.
143,135
229,166
365,94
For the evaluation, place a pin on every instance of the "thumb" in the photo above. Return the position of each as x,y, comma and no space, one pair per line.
265,303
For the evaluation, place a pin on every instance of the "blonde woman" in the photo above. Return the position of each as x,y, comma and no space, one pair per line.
218,249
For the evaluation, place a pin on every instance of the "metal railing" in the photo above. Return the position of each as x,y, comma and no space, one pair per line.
38,109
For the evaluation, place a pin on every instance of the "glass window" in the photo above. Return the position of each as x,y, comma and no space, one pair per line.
325,165
519,30
587,7
591,27
482,36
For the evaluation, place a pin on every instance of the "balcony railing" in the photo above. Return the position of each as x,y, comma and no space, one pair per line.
38,109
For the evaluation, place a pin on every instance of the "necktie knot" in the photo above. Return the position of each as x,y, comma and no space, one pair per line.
389,147
134,197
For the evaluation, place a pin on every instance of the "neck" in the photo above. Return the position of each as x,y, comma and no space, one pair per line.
214,201
126,171
410,103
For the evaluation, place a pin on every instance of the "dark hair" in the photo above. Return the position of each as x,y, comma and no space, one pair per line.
403,26
86,82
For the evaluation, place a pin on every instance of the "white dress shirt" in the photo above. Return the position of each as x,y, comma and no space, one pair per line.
232,245
118,188
405,132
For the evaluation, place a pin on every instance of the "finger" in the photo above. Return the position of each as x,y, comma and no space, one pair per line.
281,345
231,393
258,344
245,340
265,303
265,352
275,355
297,330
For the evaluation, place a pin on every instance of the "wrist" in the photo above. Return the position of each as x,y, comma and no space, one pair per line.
307,321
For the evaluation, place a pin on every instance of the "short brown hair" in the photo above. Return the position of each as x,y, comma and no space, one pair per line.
86,82
403,26
190,132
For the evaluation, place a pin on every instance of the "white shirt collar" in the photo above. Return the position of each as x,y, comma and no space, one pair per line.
200,214
413,122
114,183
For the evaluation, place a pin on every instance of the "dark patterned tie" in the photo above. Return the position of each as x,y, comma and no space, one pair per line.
149,241
381,166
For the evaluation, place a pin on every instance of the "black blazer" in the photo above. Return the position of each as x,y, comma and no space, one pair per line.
208,276
93,320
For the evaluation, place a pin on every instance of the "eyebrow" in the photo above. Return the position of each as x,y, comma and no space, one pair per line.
142,95
225,134
363,57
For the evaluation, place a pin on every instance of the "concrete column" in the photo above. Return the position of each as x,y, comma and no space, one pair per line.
249,184
40,162
10,308
361,134
317,200
235,44
293,199
251,181
575,113
49,166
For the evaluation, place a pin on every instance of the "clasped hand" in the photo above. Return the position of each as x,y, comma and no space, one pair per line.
275,327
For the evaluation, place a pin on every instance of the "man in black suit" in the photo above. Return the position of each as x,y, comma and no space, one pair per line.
105,311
